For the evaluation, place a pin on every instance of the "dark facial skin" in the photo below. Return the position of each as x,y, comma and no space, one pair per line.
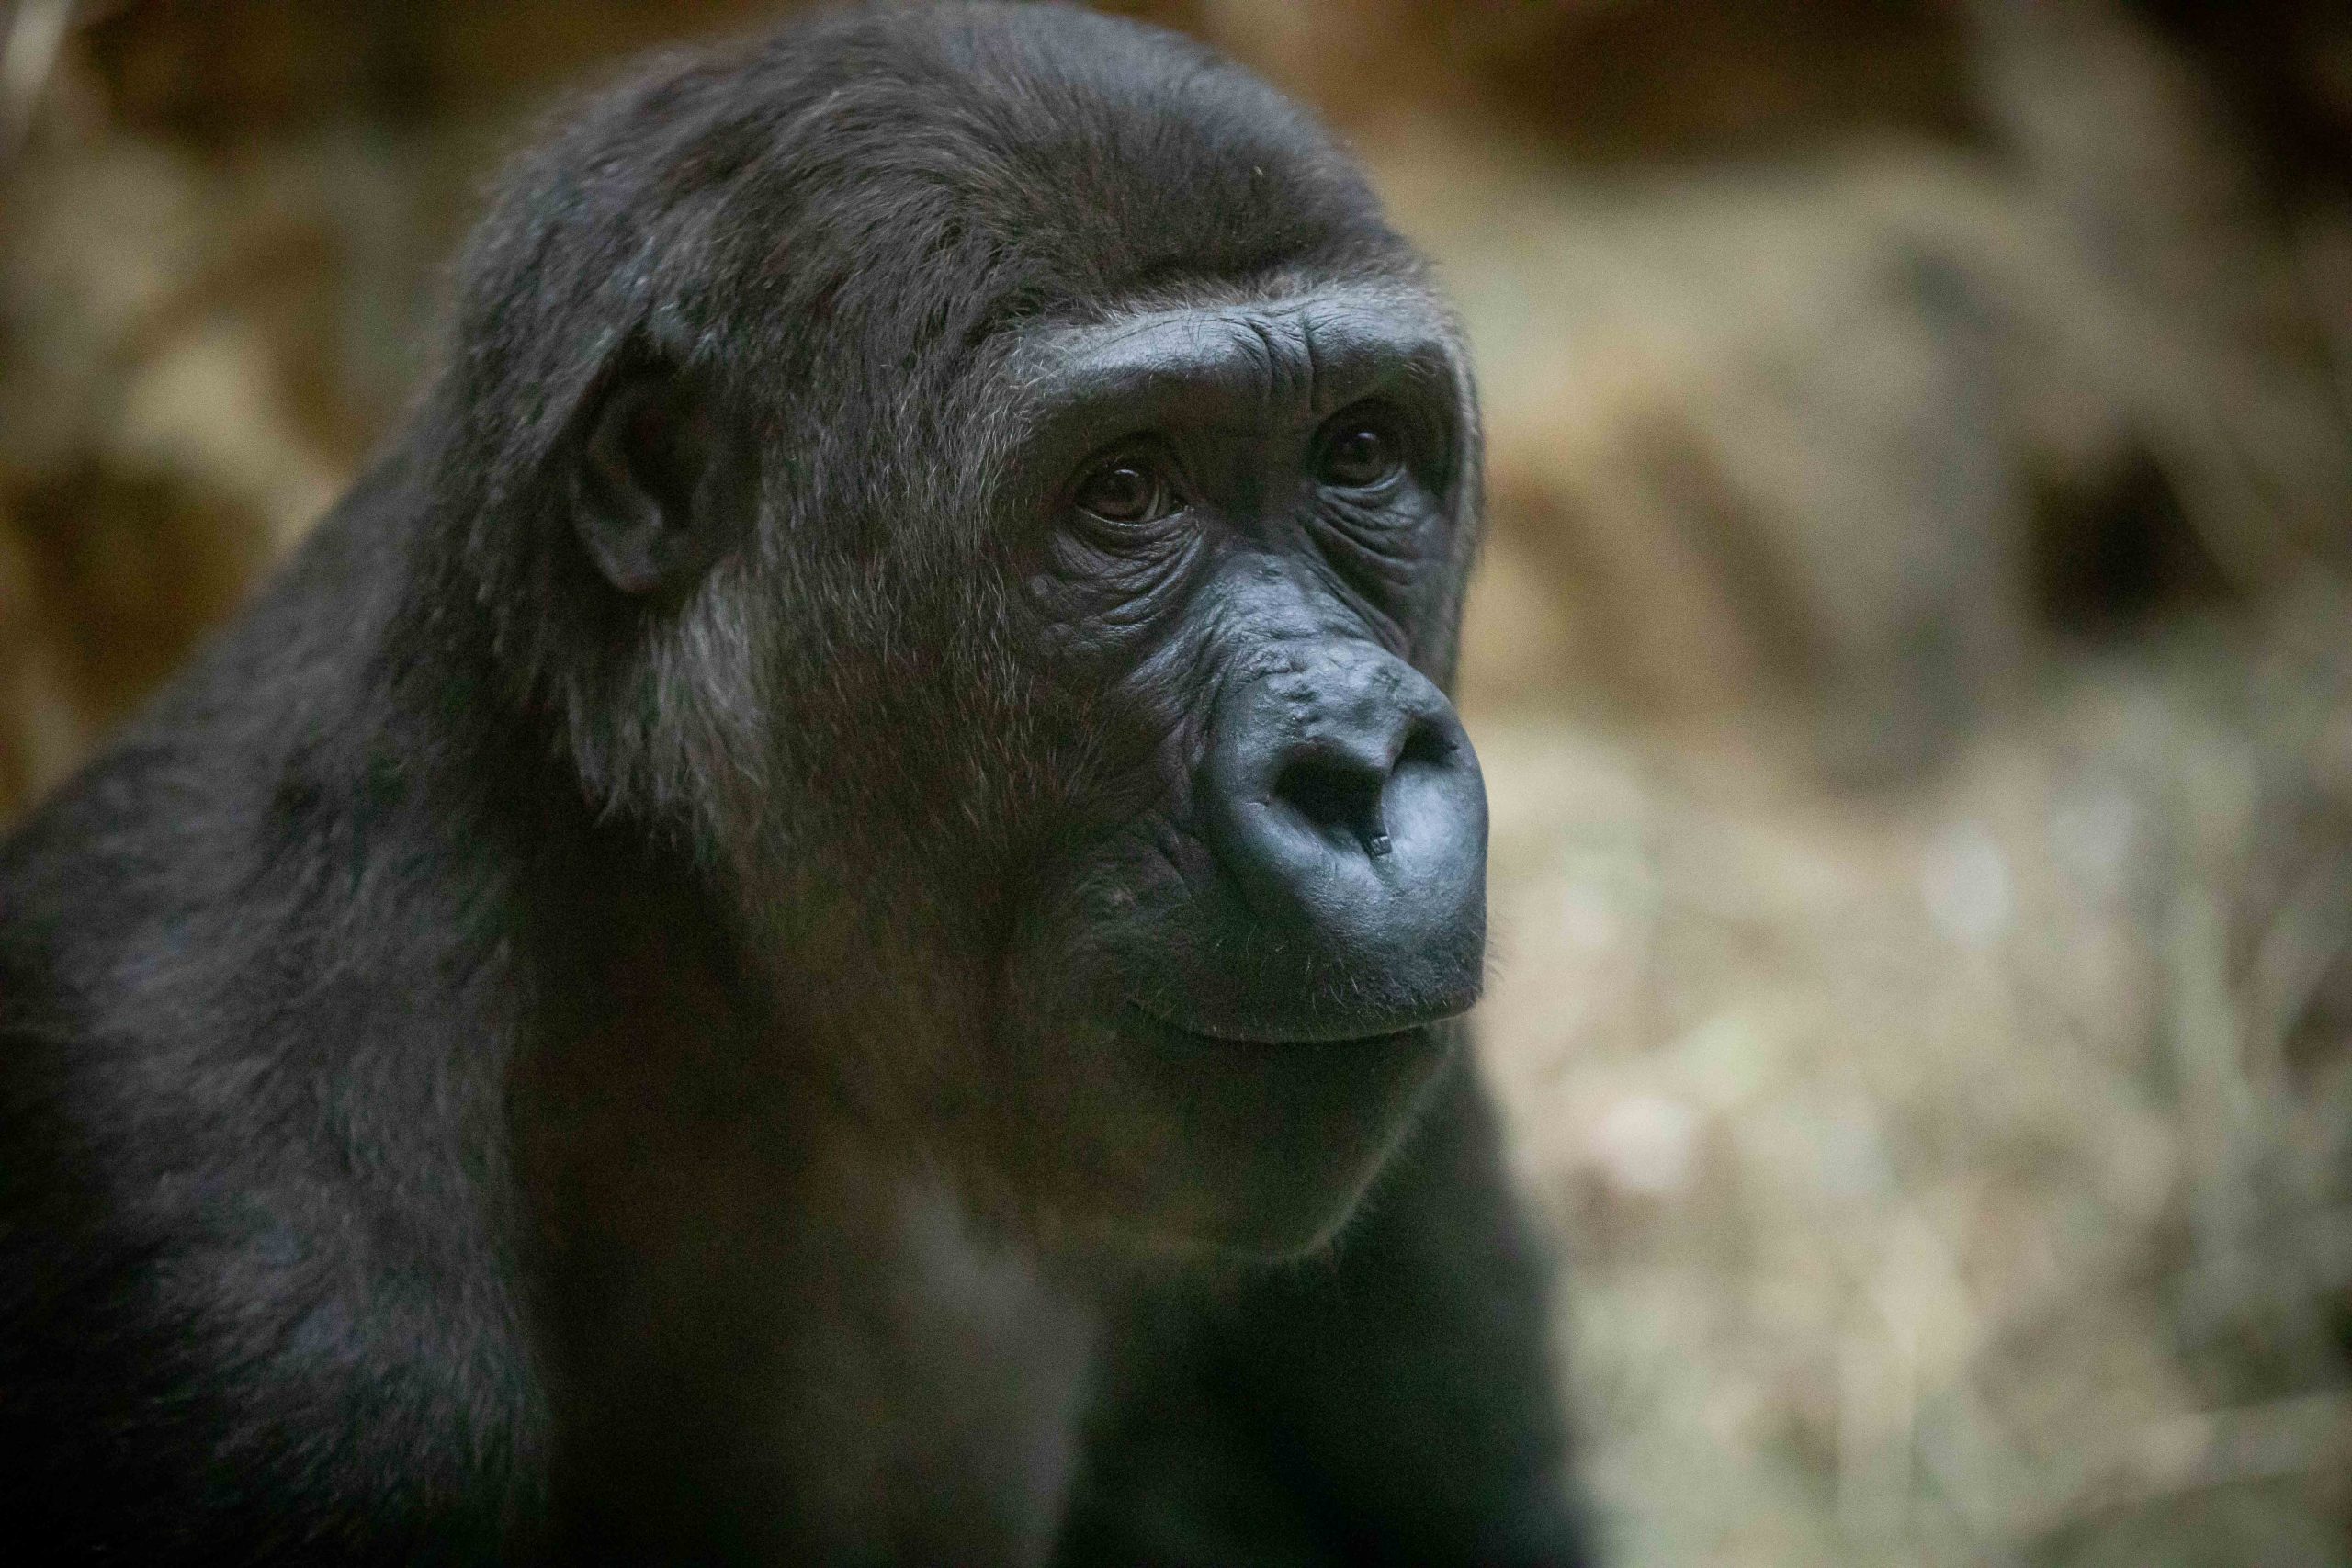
1245,546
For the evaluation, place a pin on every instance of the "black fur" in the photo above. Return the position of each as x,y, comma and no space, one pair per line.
665,994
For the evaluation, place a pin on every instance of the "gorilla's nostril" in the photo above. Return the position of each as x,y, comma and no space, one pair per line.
1426,746
1338,795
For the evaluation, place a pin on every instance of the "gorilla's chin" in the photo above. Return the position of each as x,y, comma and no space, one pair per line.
1289,1133
1199,1148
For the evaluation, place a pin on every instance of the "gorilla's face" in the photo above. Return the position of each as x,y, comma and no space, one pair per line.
1240,537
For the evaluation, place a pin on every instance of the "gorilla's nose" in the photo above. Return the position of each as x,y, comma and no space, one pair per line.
1346,800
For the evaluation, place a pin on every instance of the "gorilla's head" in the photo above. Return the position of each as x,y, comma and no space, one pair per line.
989,479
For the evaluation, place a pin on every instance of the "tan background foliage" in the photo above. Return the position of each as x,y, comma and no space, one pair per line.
1912,662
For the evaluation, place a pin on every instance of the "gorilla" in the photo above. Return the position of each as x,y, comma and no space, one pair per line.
826,921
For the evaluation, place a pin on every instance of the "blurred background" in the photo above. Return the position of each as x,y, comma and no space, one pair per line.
1913,660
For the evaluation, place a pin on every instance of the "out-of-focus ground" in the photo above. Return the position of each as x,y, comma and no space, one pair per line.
1913,663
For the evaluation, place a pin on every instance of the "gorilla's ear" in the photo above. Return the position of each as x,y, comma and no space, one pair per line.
663,482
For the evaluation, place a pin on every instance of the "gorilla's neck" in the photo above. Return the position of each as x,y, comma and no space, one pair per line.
762,1322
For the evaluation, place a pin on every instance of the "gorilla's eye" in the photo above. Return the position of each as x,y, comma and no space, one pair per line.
1362,452
1129,490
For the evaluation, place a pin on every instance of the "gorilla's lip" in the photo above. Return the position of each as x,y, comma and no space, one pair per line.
1196,1034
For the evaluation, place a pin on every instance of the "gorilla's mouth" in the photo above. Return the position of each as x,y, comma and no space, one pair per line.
1167,1030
